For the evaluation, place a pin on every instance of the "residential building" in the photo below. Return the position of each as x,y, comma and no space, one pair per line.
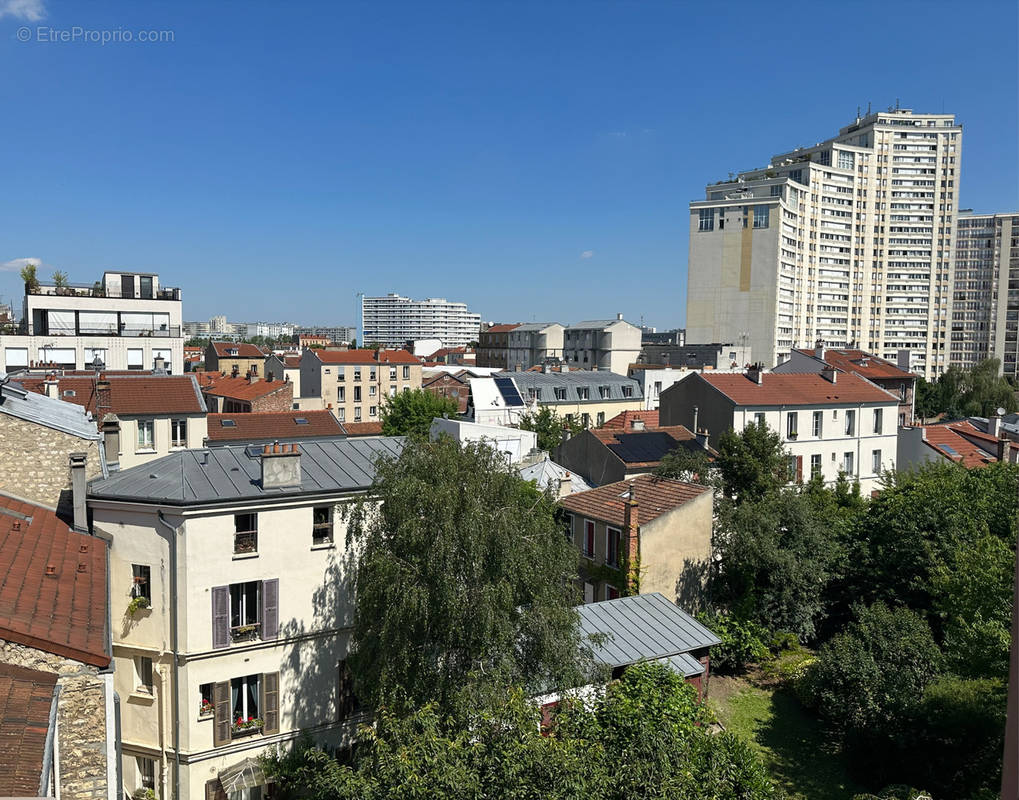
875,369
546,473
654,380
124,321
696,356
38,437
676,336
234,358
242,555
216,328
452,387
850,241
192,357
57,699
515,444
494,400
493,346
392,321
602,344
625,420
608,455
960,442
830,422
142,417
534,344
336,334
657,526
590,397
268,330
313,340
354,383
985,292
286,367
271,426
456,356
239,395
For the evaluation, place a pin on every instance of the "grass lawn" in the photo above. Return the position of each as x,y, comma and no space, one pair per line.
788,737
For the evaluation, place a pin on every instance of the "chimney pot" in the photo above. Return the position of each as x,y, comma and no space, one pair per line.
51,570
78,488
82,567
16,525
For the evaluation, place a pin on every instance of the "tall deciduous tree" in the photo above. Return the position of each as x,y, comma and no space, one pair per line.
464,581
411,413
550,427
752,463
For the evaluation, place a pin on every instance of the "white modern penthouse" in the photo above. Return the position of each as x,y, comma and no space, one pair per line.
985,303
392,321
850,242
126,321
232,610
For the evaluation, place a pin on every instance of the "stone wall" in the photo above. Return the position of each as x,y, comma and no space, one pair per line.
280,400
81,719
33,460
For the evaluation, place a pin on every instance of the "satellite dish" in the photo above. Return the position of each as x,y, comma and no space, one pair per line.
1000,412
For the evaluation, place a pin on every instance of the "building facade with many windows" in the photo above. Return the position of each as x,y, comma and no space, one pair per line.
392,321
850,241
985,293
231,605
354,384
125,322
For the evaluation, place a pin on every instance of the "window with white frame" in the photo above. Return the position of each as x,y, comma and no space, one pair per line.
357,413
815,465
178,433
406,373
143,674
876,462
612,540
146,769
322,525
850,423
341,414
759,418
878,420
847,464
761,216
245,699
818,424
373,411
568,520
341,394
146,434
791,424
245,608
245,534
706,219
141,581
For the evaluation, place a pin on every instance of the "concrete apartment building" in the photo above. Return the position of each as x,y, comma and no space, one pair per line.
392,321
985,293
126,320
493,346
602,344
831,422
234,358
354,383
240,642
850,241
534,344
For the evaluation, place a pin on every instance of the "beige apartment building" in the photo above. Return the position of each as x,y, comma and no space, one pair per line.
985,300
231,607
850,242
533,344
353,384
602,344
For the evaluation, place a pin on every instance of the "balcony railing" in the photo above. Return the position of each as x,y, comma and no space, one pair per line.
245,633
97,290
172,331
245,542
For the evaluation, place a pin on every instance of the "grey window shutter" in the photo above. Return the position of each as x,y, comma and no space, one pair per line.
270,608
222,720
220,617
271,702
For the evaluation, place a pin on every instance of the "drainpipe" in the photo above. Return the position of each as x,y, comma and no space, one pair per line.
172,539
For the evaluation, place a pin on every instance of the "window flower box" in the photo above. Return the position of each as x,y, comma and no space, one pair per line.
138,604
206,709
244,633
243,727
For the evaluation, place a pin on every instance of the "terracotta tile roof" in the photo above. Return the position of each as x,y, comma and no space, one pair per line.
654,497
273,425
62,612
795,389
25,699
239,389
862,363
502,328
128,394
962,443
363,428
625,420
243,350
365,357
644,448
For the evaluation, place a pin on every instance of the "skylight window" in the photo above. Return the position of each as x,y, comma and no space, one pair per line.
301,421
228,423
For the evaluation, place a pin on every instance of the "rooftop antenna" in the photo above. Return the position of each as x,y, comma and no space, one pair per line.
868,108
896,103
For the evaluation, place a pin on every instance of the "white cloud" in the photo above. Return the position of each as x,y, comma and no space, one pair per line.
587,254
28,10
15,264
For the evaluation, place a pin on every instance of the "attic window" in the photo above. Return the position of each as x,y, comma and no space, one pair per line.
228,423
301,421
68,392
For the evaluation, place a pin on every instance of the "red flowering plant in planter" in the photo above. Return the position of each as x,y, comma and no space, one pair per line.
242,724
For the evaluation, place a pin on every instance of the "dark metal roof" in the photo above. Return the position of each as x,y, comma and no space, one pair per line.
570,382
225,474
38,408
644,627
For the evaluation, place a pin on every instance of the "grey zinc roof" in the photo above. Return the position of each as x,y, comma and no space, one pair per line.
593,323
547,472
532,326
198,477
644,627
572,381
53,413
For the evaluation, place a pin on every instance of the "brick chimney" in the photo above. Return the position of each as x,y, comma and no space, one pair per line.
79,486
565,485
756,374
637,424
1004,448
830,374
631,539
281,466
111,440
52,387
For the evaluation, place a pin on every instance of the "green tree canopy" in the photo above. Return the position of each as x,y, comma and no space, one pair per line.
411,413
752,463
464,581
686,464
646,737
550,427
977,392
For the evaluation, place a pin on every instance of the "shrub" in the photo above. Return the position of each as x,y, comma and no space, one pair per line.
743,641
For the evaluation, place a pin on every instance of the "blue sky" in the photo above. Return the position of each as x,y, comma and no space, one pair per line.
534,159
